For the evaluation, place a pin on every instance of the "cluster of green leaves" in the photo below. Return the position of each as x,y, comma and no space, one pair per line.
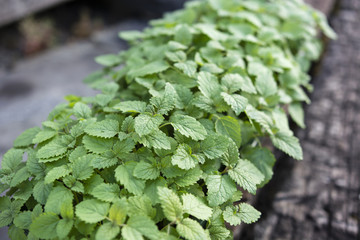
168,147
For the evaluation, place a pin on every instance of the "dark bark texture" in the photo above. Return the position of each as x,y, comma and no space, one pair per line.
319,197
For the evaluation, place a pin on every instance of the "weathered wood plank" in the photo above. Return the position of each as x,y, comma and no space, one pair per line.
12,10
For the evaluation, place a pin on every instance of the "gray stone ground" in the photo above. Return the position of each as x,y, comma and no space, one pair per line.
319,198
30,90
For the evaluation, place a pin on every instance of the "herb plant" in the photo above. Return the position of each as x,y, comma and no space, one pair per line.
174,139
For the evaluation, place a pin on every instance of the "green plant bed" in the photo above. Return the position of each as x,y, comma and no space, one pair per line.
168,148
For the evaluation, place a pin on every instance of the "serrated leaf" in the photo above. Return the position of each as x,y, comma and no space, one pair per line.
215,146
97,145
131,106
187,67
170,204
229,126
183,157
92,211
81,167
166,101
259,117
53,149
189,127
246,175
288,144
12,159
146,171
183,35
108,60
44,226
57,196
20,176
44,135
191,229
107,231
189,177
236,102
263,159
297,114
156,139
23,220
118,211
140,204
82,110
106,128
241,213
196,207
106,192
6,217
57,173
25,139
219,233
138,226
208,85
147,123
220,189
151,68
124,174
41,191
151,189
64,227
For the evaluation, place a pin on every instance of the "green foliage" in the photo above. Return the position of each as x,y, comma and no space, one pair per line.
173,139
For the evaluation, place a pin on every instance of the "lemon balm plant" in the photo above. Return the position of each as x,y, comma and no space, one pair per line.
174,139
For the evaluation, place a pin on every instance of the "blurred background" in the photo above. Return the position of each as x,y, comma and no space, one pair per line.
47,48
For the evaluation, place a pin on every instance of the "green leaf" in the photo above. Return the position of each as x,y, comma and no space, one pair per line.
166,101
108,60
188,68
259,117
6,217
57,173
209,85
297,114
188,126
81,167
196,207
140,204
106,192
219,233
220,189
151,68
170,204
236,102
138,226
183,35
147,123
92,211
263,159
12,159
106,128
288,144
241,213
156,139
151,189
235,81
146,171
189,177
44,226
117,212
215,146
82,110
107,231
191,229
17,233
183,157
124,174
23,220
26,138
246,175
131,106
64,227
57,197
229,126
44,135
53,149
20,176
41,191
97,145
